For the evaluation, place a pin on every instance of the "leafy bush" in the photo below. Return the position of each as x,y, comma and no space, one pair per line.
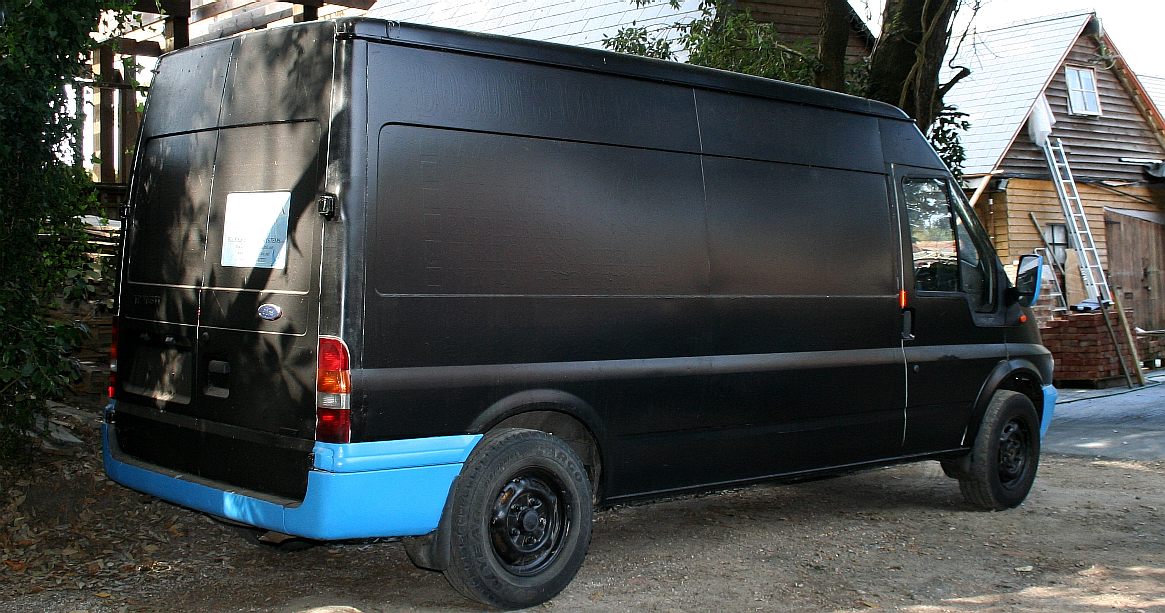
43,48
723,36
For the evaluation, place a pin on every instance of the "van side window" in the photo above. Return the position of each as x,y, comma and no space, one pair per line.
946,258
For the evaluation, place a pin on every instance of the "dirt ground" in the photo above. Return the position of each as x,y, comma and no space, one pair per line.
1090,537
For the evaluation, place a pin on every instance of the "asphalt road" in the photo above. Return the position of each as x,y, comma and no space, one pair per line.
1115,423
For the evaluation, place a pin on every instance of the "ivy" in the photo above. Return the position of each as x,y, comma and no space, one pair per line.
44,47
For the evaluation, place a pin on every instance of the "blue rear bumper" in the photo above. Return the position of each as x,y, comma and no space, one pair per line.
356,490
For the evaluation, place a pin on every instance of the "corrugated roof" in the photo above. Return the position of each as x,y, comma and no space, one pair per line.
1010,67
1155,87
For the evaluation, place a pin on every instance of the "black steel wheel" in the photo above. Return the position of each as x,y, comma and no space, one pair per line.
529,523
521,520
1005,455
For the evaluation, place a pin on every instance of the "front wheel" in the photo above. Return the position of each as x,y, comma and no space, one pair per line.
1005,455
521,520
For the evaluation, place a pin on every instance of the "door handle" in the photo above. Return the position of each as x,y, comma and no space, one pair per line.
908,324
217,379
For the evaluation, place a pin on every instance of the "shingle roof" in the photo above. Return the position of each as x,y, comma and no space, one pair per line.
1010,67
1155,87
572,22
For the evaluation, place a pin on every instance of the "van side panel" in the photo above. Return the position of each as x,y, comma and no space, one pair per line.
755,128
450,90
630,271
803,261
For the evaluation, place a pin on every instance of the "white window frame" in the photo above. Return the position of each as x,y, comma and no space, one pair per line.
1080,95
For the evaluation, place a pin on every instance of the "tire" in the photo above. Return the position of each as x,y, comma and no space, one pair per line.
520,520
1005,455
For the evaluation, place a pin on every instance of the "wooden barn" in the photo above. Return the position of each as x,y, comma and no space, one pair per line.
1112,134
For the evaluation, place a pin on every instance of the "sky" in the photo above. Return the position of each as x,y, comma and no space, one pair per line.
1135,26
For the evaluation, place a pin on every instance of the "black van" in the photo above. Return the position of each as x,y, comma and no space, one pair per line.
383,280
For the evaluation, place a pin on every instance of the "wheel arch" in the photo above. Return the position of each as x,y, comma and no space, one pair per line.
554,412
557,413
1016,375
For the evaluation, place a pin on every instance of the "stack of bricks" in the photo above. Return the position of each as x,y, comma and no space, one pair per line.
1151,348
1084,351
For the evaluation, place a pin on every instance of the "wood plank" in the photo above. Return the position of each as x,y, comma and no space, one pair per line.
129,46
242,23
1138,264
179,8
214,9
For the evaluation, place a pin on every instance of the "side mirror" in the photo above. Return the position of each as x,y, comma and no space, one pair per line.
1027,279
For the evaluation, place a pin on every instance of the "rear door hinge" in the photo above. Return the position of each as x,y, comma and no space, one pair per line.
326,206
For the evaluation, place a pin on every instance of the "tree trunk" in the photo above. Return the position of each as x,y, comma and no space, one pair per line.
905,64
831,45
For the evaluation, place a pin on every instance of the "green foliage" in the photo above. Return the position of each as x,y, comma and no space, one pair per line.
944,136
724,36
43,49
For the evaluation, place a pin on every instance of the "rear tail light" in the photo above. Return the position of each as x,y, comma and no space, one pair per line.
333,392
112,389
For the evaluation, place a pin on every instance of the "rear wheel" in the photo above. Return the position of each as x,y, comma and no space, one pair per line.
1005,455
520,521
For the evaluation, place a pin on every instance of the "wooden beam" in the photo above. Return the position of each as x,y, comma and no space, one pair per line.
353,4
105,134
177,8
129,46
177,33
247,21
214,9
128,122
310,13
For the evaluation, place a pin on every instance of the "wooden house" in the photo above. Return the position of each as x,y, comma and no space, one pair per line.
1113,134
800,20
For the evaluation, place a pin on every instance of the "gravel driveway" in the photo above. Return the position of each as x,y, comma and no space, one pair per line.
1090,537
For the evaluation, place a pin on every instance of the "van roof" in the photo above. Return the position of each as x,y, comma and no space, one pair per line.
583,58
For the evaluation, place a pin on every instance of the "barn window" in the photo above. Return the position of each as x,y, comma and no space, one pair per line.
1082,96
1056,235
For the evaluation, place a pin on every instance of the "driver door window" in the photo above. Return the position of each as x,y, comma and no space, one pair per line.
946,258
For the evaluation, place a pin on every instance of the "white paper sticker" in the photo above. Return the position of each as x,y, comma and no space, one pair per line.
255,230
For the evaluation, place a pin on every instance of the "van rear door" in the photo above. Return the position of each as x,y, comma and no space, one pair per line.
219,306
258,306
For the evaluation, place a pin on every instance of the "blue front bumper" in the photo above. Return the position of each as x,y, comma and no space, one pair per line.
1050,397
356,490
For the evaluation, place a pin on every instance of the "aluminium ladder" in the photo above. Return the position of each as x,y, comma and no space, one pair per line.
1081,236
1054,292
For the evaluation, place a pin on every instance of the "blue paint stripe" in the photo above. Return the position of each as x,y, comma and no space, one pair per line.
394,497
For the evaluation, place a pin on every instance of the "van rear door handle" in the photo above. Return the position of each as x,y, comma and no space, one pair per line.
217,381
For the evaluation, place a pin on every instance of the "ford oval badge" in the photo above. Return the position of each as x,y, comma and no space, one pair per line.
270,312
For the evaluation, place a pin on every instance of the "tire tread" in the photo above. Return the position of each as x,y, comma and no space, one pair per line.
978,484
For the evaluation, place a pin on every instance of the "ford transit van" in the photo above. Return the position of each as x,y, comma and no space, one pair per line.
384,280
